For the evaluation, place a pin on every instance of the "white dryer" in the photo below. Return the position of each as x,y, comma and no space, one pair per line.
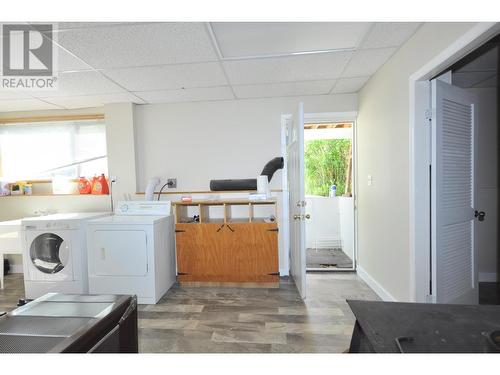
133,251
54,253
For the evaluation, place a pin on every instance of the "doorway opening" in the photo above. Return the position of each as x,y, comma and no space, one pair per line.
454,169
328,162
477,73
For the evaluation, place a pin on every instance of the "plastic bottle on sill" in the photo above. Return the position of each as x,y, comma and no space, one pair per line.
84,186
100,185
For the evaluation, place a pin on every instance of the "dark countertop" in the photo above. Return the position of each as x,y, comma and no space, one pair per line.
431,328
61,323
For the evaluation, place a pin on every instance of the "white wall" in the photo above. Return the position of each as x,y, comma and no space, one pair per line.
346,215
487,184
323,228
197,142
193,142
383,152
120,144
331,224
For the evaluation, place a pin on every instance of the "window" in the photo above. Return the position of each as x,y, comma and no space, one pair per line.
44,150
328,158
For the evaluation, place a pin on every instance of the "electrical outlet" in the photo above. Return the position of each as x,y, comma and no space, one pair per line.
172,183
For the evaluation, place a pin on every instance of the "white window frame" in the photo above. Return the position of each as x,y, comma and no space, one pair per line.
55,120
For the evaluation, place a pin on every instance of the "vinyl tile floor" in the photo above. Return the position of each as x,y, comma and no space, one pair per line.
244,320
327,259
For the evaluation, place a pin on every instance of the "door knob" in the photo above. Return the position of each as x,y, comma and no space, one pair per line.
296,217
480,215
307,216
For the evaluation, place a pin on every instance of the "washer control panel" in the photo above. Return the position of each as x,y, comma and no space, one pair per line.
143,208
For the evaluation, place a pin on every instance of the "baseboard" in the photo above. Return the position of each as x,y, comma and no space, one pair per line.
16,268
488,277
372,283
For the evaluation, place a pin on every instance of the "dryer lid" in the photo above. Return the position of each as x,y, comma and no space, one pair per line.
64,220
127,219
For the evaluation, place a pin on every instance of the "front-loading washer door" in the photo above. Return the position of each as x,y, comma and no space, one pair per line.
49,256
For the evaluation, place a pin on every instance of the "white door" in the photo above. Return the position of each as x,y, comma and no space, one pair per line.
49,255
296,189
118,253
453,198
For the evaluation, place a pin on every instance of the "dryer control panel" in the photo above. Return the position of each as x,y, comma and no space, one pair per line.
143,208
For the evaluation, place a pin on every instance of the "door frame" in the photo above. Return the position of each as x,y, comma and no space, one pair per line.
350,116
420,152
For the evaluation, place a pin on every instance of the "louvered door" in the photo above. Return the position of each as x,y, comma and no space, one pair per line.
454,259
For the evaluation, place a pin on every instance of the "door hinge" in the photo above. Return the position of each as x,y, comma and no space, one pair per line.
273,230
179,231
274,274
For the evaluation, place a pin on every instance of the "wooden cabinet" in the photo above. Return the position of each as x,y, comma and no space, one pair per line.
255,251
227,251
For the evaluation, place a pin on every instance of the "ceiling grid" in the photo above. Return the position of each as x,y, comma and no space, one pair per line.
147,63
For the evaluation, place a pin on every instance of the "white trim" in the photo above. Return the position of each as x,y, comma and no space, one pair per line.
351,116
419,219
375,285
330,117
285,219
16,268
489,277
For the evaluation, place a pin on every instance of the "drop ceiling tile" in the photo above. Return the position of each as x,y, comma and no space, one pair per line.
73,102
139,44
86,25
485,62
244,39
367,62
349,85
166,77
389,34
25,105
286,69
80,83
284,89
470,79
187,95
66,62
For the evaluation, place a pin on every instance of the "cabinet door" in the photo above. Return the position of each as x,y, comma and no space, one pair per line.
253,250
200,255
187,242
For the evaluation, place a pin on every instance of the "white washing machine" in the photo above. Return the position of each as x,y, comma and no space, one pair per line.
54,253
133,251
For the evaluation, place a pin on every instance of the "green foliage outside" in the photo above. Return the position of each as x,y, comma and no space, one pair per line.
325,165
